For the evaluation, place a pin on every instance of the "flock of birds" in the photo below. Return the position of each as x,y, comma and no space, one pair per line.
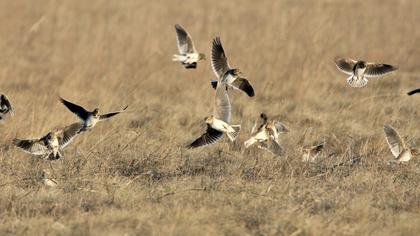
264,135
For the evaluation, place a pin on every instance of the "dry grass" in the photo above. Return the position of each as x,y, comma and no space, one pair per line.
132,176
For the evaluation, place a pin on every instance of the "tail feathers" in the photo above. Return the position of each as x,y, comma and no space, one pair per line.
178,58
234,134
249,142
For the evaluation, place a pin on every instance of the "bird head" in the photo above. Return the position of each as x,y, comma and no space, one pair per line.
96,112
209,119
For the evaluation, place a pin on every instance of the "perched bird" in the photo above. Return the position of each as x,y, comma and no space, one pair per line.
360,71
310,153
5,106
232,77
218,123
413,92
189,56
47,181
267,135
89,118
401,152
50,145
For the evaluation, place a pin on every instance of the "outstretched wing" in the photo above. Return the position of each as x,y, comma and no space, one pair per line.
222,107
209,137
395,142
66,135
184,41
34,146
345,65
244,85
111,114
376,70
76,109
219,61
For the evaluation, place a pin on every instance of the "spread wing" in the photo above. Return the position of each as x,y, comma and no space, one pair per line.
184,41
219,61
376,70
111,114
34,146
66,135
222,107
209,137
395,142
76,109
345,65
4,101
281,128
244,85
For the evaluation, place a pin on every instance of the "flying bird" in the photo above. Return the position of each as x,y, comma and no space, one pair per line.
360,71
89,118
50,145
401,152
267,135
5,106
218,123
221,68
188,55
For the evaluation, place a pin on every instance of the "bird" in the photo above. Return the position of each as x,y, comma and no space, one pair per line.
310,153
399,149
218,123
412,92
50,146
267,135
360,71
5,106
89,118
46,180
221,68
188,55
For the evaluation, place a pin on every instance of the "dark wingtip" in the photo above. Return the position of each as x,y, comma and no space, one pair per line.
213,83
413,92
247,88
191,66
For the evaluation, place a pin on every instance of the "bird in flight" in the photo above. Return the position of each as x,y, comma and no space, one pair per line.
401,152
188,55
5,106
89,118
360,71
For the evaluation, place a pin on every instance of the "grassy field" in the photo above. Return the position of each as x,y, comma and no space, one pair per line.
132,176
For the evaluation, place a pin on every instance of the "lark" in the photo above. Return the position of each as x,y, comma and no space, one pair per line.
311,153
360,71
50,146
89,118
267,135
188,55
47,181
221,68
218,123
5,107
399,149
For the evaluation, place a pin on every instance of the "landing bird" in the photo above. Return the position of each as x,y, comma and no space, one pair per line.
50,145
310,153
89,118
188,55
232,77
399,149
5,106
413,92
267,135
360,71
218,123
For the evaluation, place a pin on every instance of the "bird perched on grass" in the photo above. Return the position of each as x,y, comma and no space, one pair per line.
360,71
188,55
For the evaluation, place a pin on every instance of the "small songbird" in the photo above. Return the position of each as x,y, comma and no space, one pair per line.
5,106
218,123
47,181
310,153
399,149
188,55
50,145
232,77
89,118
267,135
360,71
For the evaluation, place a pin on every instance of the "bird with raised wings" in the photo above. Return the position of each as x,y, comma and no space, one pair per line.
188,55
50,145
218,123
89,118
221,68
5,107
267,135
401,152
360,71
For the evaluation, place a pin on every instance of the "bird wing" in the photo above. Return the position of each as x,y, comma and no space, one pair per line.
222,107
244,85
414,91
376,70
66,135
184,41
394,140
209,137
281,128
345,65
76,109
4,101
32,146
272,146
219,61
111,114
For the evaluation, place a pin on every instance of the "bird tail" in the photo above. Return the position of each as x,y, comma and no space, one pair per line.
178,58
249,142
234,134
